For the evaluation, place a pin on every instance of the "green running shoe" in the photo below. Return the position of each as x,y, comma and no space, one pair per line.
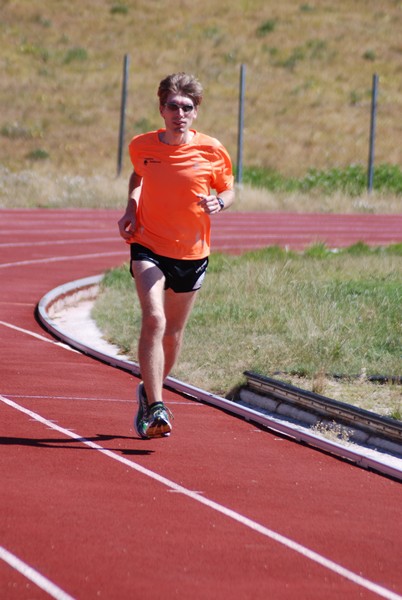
143,414
159,424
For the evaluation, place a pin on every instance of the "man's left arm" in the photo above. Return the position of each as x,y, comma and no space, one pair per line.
216,203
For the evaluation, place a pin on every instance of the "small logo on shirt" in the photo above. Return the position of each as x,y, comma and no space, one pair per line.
150,159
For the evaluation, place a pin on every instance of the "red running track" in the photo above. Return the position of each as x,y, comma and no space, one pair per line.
221,509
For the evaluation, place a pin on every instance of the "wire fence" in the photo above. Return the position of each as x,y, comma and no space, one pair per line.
371,112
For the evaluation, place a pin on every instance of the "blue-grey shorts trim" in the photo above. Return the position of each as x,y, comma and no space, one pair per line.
180,275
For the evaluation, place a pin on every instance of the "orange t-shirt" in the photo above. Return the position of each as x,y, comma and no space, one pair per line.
170,221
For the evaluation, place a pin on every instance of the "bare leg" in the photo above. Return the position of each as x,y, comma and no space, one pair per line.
177,311
150,283
164,317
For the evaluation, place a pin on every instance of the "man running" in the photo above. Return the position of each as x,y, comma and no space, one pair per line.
167,224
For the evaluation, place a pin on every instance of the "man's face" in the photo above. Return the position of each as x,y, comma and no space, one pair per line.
178,113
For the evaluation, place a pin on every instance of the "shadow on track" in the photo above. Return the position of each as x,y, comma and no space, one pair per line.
71,444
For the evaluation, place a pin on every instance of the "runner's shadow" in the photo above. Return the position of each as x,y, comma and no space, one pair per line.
75,443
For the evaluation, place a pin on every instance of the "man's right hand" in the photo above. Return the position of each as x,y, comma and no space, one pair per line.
127,227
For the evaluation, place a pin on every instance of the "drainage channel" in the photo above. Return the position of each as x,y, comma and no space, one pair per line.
249,411
361,426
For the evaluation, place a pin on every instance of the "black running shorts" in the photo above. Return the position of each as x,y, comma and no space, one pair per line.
180,275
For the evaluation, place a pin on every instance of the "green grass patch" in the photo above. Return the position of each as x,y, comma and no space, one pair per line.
275,311
266,27
351,180
38,154
76,54
119,9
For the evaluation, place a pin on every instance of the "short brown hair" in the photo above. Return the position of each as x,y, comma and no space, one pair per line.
180,83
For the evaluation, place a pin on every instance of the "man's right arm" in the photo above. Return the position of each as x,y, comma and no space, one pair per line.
128,220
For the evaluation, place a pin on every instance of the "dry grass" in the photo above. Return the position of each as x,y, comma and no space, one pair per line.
38,188
383,399
254,199
308,79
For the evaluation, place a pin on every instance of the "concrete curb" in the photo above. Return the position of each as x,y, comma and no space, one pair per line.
290,430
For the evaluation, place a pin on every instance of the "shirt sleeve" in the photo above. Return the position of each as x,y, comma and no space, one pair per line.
134,151
133,155
222,172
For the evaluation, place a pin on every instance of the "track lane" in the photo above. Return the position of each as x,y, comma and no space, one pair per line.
60,443
107,516
231,231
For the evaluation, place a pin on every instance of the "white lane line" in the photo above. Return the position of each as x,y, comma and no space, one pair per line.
181,402
62,258
12,303
239,518
38,336
70,398
59,242
30,573
45,229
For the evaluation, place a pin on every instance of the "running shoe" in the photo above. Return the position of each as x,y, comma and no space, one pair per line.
143,414
159,424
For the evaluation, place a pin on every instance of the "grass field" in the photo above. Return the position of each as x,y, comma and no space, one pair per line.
309,68
269,311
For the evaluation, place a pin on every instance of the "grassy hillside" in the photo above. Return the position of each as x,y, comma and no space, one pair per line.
309,68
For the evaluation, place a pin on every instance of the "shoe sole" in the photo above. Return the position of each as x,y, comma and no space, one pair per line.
160,428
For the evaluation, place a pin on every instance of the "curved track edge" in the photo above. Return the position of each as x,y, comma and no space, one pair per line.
288,430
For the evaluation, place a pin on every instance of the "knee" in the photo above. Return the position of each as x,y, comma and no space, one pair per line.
173,336
154,323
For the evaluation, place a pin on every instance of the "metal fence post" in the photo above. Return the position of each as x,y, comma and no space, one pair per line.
370,174
239,169
122,113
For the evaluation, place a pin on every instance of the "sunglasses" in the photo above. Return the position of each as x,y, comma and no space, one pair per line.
186,108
